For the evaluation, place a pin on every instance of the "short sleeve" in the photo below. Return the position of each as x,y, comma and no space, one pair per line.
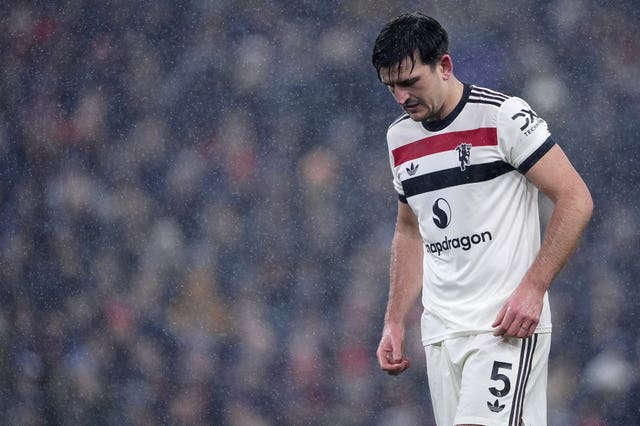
523,136
397,183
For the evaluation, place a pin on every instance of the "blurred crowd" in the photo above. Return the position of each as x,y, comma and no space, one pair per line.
196,207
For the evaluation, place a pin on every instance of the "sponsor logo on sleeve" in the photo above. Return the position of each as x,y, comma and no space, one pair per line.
529,119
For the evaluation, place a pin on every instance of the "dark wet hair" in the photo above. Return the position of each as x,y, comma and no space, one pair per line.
406,36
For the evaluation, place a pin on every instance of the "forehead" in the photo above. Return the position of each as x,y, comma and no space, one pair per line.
405,70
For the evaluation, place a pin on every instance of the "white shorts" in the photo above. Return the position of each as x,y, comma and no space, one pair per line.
488,380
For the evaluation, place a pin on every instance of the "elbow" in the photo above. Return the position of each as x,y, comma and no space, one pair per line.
589,207
577,202
586,204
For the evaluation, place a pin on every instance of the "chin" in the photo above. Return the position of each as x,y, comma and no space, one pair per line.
419,114
416,116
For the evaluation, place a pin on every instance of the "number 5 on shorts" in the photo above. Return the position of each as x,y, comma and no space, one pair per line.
499,377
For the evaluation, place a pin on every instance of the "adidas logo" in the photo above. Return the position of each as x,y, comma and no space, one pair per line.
412,169
495,407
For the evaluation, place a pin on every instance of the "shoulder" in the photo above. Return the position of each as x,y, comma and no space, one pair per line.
508,111
399,120
482,95
403,130
517,114
504,103
490,106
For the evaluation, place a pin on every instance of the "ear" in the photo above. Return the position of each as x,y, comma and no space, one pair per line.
446,64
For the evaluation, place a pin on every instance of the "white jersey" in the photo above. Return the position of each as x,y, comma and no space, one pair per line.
463,177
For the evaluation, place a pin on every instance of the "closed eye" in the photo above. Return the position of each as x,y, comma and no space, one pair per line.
403,83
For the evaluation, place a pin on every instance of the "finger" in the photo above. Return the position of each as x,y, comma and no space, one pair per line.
516,328
397,353
385,359
505,324
500,316
384,354
529,327
395,369
522,332
399,368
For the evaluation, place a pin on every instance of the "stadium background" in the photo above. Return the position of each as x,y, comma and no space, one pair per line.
197,208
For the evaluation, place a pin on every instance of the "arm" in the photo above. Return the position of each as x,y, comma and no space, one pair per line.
404,289
554,175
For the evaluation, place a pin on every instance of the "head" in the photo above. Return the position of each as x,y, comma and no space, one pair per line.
411,57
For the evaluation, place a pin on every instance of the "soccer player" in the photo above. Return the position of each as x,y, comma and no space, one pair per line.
467,164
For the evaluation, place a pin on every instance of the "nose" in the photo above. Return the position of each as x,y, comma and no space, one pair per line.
400,94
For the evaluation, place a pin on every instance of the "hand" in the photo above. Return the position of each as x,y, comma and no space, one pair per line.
389,351
520,314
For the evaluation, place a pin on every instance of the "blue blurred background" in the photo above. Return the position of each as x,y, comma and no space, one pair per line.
196,207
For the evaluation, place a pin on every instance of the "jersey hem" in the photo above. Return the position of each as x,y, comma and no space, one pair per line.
453,335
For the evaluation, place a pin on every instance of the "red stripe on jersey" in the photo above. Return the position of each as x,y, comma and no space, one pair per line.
484,136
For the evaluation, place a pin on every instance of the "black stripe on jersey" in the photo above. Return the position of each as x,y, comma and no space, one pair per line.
493,97
489,93
485,96
453,177
402,198
537,155
524,370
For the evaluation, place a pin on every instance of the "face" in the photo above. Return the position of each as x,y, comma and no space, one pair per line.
421,91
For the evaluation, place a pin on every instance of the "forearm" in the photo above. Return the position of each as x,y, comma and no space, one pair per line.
566,225
405,277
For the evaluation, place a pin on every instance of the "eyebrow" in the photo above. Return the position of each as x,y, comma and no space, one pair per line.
405,82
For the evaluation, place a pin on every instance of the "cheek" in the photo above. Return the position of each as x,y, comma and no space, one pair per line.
439,94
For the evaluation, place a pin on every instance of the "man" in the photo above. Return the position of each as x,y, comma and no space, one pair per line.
467,165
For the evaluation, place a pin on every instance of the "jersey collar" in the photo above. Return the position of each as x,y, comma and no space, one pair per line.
434,126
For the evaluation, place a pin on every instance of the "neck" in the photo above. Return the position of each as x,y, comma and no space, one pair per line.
456,88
